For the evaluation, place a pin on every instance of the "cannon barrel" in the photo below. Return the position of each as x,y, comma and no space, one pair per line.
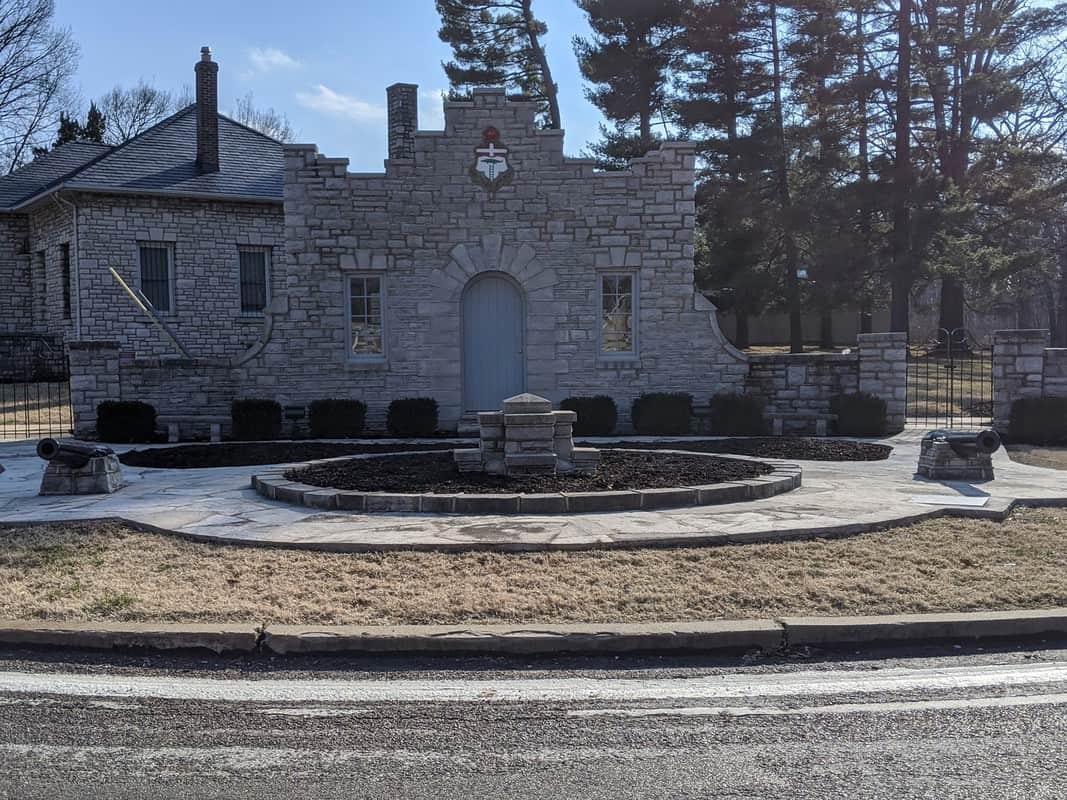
967,445
70,454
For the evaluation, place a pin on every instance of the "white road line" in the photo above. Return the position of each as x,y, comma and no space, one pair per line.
999,701
537,690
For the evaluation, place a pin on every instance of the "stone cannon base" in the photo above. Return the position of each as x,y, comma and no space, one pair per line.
938,461
102,475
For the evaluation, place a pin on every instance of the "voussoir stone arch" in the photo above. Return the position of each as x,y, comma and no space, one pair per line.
520,261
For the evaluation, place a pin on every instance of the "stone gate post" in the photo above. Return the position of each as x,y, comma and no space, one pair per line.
884,373
1018,370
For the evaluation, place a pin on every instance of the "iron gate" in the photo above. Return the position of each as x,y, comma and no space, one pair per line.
34,387
950,382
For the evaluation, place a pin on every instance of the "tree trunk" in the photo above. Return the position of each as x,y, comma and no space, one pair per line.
867,314
1061,306
741,333
550,88
903,272
826,329
792,283
952,305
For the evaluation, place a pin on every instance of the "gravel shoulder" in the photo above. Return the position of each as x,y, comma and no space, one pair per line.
107,571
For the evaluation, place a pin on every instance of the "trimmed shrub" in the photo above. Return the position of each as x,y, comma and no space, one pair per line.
735,414
129,421
859,414
596,415
412,417
662,413
336,419
1039,420
256,419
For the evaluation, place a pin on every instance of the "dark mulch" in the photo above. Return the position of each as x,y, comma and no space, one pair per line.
785,447
245,454
436,472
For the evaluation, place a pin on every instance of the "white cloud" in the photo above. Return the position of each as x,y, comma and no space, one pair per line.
267,59
431,109
326,100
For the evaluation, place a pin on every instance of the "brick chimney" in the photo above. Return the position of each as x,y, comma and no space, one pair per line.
403,101
207,113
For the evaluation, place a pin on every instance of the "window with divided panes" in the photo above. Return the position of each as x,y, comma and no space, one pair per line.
156,276
617,330
254,271
366,316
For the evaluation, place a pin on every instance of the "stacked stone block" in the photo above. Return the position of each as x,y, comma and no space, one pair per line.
1018,370
102,475
883,361
527,438
938,461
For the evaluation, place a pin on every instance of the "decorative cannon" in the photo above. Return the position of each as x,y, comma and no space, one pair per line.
70,454
958,455
76,468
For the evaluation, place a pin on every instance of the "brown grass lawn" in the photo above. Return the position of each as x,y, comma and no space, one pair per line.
1047,457
108,571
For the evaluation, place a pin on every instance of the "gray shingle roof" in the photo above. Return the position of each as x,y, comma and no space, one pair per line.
162,160
47,170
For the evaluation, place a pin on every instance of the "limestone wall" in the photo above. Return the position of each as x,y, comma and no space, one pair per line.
427,229
16,288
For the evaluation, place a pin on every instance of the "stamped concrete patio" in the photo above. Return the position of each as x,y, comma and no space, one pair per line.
836,499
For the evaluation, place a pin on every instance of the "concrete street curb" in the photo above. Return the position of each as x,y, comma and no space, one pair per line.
577,639
225,638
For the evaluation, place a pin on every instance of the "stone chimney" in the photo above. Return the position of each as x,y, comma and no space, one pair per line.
207,113
403,119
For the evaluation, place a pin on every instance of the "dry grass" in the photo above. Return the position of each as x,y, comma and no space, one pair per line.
1047,457
107,571
33,409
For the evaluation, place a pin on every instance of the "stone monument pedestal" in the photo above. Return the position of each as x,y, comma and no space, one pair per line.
101,475
527,438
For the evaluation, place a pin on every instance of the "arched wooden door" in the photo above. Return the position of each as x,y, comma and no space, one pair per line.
494,321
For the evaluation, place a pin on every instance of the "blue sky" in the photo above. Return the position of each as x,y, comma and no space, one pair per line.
325,63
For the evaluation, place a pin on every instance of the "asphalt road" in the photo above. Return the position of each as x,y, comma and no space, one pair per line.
937,723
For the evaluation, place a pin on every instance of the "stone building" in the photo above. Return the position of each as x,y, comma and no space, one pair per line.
481,263
188,212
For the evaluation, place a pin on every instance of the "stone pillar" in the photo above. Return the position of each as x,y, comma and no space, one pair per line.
884,373
1018,370
529,435
403,109
491,444
1055,379
95,376
563,441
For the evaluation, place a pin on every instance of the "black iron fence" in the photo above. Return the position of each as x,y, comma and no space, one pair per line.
34,387
950,382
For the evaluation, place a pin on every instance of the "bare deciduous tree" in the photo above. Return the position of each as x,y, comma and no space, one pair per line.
135,110
265,120
37,63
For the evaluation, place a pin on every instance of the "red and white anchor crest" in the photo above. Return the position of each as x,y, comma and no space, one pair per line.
491,169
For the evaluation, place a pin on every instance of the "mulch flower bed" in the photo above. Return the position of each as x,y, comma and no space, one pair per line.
436,472
245,454
785,447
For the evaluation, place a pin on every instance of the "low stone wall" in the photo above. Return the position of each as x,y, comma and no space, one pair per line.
176,387
803,383
1025,366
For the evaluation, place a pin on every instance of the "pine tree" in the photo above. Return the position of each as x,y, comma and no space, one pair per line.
725,84
498,43
635,49
95,125
70,130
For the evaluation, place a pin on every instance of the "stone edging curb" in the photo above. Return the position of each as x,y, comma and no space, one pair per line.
272,484
585,639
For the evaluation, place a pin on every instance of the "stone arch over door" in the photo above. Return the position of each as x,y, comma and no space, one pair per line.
537,281
493,316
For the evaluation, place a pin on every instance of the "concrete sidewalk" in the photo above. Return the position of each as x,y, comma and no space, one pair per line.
837,499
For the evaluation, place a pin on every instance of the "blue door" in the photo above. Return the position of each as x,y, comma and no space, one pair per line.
493,324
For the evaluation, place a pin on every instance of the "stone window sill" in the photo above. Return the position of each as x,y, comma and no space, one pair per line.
366,364
618,361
